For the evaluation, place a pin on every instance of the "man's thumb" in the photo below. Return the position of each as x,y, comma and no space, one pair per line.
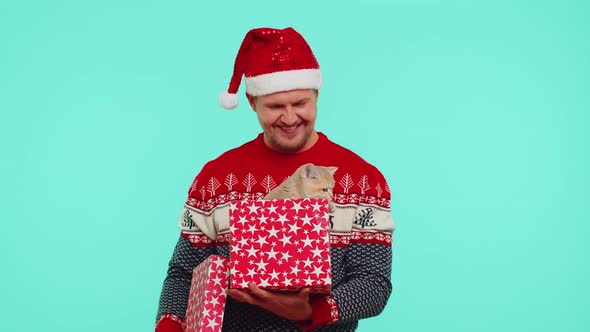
304,291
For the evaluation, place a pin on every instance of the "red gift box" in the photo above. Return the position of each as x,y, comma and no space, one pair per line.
206,301
280,244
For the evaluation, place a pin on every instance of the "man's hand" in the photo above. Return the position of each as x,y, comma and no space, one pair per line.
293,306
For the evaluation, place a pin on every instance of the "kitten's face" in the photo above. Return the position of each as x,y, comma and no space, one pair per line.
321,184
288,119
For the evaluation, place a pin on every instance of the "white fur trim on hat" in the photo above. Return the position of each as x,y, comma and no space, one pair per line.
227,100
283,81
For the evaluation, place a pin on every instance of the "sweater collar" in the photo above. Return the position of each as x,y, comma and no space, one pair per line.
292,156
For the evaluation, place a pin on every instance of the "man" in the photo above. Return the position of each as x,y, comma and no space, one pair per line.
282,83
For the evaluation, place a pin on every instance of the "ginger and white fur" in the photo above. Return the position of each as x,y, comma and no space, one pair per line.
308,181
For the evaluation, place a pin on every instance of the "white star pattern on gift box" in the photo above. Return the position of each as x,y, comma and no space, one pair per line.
273,232
281,245
296,207
253,208
207,295
271,254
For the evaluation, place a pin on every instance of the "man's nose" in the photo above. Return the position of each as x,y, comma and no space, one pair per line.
289,116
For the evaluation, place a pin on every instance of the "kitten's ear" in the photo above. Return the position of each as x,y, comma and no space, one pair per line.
332,169
310,172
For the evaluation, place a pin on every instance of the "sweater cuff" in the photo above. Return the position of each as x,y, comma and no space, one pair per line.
324,311
169,323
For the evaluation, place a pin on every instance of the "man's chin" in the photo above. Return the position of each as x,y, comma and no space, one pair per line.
291,143
288,146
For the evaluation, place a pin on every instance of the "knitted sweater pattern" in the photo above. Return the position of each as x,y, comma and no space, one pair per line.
360,237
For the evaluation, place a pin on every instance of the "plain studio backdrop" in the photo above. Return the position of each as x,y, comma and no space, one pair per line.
477,113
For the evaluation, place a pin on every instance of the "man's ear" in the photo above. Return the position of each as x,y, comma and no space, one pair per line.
251,101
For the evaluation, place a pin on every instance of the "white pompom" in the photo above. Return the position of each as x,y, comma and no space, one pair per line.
227,100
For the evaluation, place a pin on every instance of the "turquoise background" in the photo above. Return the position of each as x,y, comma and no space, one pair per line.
477,112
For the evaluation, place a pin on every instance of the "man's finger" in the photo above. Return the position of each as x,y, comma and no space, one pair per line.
304,292
241,296
262,294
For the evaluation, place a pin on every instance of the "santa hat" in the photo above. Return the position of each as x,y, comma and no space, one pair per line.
272,60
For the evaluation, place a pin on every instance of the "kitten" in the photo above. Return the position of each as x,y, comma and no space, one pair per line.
307,181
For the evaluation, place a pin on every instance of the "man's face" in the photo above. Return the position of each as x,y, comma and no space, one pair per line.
288,119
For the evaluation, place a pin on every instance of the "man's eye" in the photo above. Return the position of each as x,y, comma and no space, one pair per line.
325,190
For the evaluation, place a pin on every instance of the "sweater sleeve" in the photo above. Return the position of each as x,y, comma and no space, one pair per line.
169,323
363,295
367,290
196,243
175,291
324,312
367,284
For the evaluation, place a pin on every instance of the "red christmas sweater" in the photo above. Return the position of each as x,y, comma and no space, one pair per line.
360,238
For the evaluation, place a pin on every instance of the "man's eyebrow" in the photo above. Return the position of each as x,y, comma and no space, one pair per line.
303,100
274,104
